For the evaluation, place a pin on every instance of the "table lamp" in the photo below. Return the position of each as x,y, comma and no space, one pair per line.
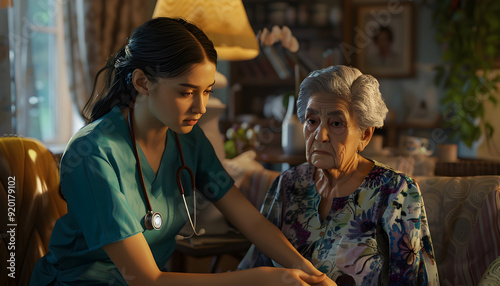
226,23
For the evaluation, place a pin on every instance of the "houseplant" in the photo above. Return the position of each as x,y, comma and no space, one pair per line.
470,34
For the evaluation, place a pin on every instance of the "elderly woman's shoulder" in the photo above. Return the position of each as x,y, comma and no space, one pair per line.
303,171
383,170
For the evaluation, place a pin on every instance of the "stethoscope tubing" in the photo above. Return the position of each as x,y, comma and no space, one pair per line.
178,176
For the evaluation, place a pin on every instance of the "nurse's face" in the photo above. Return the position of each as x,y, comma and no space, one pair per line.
179,102
331,133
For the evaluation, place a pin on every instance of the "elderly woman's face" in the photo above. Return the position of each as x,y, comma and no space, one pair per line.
331,133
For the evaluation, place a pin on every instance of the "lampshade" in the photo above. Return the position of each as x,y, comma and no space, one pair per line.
224,21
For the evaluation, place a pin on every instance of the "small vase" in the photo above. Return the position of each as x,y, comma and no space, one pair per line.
292,138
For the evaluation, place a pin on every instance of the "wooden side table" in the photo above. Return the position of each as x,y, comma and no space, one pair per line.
210,246
271,155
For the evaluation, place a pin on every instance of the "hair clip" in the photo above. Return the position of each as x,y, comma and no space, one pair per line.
127,51
129,78
117,62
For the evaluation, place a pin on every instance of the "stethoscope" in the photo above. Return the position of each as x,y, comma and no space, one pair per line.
153,220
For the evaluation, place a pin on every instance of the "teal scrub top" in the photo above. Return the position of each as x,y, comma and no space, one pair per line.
101,184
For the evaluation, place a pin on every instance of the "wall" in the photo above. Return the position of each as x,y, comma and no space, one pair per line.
492,114
402,95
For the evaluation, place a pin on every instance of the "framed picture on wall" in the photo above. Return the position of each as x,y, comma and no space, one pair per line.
384,39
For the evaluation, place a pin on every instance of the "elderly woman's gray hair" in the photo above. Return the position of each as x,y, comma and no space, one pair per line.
361,91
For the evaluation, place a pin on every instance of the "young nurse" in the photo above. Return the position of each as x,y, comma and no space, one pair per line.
127,176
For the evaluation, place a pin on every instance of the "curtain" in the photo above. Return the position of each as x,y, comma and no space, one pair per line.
94,30
5,3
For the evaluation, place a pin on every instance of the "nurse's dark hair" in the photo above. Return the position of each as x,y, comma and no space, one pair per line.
161,47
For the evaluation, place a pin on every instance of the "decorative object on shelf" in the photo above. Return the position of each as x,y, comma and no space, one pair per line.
446,152
287,40
410,145
224,21
467,30
240,138
292,139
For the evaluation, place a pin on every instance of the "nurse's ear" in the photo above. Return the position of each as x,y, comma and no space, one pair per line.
141,82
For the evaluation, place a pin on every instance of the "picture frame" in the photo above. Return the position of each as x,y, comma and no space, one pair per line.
384,39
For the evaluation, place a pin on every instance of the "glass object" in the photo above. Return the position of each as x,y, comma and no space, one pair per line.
292,138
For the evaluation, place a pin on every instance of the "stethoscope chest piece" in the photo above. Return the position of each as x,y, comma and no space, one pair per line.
153,220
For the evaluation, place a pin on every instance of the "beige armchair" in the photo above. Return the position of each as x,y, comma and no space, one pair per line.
464,219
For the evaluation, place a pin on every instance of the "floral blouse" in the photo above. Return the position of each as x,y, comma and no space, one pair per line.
377,235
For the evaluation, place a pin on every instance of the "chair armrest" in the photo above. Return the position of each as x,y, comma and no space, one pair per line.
492,274
255,185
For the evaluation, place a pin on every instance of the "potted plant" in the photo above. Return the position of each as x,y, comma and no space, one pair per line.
470,34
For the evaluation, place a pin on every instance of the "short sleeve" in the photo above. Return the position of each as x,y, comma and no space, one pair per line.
92,190
271,209
412,260
211,177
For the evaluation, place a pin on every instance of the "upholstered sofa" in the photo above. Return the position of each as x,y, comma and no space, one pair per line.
463,215
464,219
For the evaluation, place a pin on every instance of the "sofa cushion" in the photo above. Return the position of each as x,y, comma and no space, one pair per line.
463,215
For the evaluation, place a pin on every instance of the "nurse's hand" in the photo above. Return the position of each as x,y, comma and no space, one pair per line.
307,266
285,276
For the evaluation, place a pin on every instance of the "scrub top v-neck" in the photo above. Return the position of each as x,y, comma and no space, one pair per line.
100,182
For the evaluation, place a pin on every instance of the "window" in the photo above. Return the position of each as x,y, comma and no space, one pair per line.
43,106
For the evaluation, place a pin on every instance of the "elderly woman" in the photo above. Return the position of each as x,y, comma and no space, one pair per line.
357,220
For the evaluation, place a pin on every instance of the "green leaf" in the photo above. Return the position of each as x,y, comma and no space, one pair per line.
488,130
493,99
467,133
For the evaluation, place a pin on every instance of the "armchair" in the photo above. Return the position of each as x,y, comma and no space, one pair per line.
464,220
29,189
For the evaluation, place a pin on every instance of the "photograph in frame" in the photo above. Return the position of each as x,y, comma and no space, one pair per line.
384,40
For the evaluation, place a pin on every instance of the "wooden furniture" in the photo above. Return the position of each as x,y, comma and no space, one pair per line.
468,167
210,246
275,155
393,130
